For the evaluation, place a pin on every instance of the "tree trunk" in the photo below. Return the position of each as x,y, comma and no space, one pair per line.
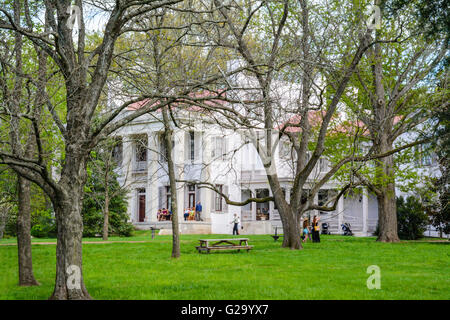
106,219
288,216
26,276
293,234
387,206
173,187
69,284
68,203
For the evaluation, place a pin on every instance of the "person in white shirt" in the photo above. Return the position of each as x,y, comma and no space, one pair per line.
236,224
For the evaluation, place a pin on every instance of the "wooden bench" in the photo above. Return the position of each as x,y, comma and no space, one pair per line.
208,245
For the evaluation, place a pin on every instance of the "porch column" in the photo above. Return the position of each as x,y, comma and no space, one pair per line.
365,203
152,178
271,206
253,205
127,167
178,155
316,201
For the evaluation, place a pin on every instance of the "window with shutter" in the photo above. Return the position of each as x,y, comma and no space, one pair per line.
219,148
218,199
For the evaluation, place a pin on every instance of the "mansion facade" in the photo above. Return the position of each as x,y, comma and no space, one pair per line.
208,153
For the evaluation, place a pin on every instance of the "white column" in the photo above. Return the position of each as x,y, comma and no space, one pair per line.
151,189
178,157
206,176
253,205
316,201
365,203
287,194
271,205
127,167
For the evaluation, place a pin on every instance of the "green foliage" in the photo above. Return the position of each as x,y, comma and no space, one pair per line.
45,226
411,218
11,223
93,220
102,180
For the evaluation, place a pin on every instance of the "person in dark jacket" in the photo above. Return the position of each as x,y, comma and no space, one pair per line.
315,229
198,211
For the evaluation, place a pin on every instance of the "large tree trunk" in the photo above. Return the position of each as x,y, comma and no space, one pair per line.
289,217
293,234
387,207
26,276
68,203
69,284
173,187
106,219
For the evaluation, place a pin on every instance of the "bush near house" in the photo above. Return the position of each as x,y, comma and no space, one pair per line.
93,223
411,218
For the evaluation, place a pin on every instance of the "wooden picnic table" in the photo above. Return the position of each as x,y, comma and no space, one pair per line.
207,245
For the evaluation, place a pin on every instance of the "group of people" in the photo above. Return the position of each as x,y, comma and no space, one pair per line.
164,215
312,229
189,214
193,213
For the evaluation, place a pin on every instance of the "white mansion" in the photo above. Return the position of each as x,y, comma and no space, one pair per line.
208,153
204,151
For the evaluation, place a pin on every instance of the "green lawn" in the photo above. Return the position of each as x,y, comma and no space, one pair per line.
332,269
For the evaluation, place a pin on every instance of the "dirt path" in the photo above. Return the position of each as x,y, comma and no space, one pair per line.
84,242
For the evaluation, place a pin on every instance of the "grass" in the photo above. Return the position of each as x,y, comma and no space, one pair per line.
333,269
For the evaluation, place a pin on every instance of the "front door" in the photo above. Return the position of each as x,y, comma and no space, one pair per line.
141,207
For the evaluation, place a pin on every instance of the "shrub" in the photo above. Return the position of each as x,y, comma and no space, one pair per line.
411,218
92,222
118,224
45,226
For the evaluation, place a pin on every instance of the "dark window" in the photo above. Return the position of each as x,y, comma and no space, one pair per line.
192,145
191,196
168,199
141,150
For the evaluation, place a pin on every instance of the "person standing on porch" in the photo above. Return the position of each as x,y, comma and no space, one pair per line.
235,223
198,211
315,229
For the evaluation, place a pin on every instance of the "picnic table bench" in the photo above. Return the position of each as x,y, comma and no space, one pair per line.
206,245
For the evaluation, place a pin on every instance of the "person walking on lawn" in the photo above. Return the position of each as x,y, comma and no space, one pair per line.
236,224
